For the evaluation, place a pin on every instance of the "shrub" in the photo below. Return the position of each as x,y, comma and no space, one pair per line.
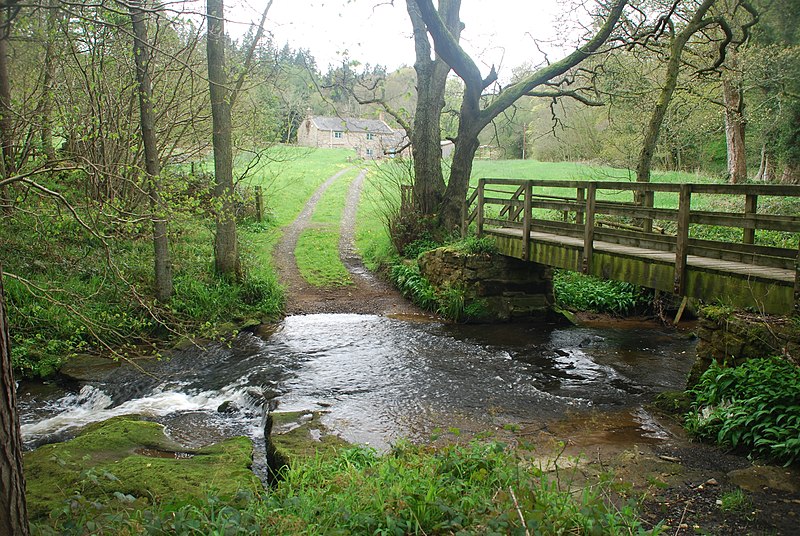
412,284
419,246
754,407
478,246
586,293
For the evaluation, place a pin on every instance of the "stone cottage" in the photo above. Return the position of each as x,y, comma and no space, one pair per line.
369,138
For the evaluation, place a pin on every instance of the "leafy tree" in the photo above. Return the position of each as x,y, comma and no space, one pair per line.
771,68
681,24
141,54
476,113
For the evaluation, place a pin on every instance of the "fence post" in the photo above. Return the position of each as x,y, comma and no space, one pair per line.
750,208
526,221
682,240
464,216
259,204
481,184
649,202
588,231
580,199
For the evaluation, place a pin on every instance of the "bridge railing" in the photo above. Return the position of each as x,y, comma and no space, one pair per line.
657,216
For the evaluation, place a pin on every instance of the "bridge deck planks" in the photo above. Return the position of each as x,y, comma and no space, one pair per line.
742,270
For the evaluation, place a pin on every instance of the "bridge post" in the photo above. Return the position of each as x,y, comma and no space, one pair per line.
682,240
580,199
259,204
479,218
648,200
526,221
588,230
750,208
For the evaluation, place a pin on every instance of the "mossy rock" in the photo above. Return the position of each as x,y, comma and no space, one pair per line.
126,456
673,402
301,434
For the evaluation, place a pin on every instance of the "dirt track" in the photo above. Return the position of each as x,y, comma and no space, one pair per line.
366,295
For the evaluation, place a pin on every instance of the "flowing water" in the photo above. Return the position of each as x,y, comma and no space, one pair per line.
377,379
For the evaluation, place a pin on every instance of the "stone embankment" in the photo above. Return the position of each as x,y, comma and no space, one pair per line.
732,337
496,287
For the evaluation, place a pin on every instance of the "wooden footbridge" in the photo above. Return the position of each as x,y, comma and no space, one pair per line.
657,235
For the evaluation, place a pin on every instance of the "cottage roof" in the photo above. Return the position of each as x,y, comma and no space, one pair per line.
350,124
397,139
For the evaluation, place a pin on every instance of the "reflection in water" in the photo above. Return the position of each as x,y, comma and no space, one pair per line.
377,379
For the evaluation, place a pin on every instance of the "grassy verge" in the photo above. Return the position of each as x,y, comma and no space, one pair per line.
479,488
372,235
317,256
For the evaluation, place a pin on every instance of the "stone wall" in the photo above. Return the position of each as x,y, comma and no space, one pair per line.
502,288
732,337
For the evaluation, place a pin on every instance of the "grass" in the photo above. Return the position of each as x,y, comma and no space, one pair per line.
291,174
317,256
372,236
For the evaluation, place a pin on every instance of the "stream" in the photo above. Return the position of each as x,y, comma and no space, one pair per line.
377,379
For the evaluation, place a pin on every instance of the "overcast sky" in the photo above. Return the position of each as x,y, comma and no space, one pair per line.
499,32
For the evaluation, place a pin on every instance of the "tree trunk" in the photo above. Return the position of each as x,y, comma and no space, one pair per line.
226,252
429,185
13,512
791,173
766,169
734,130
46,104
472,117
645,162
141,54
7,159
469,127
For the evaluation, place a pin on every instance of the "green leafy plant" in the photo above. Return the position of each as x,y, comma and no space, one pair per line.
413,285
586,293
419,246
451,302
754,407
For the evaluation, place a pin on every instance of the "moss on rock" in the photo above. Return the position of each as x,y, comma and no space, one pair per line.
301,434
126,456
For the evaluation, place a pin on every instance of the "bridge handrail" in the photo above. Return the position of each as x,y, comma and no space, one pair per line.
518,207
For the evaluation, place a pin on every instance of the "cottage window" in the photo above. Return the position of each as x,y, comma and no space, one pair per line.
370,135
338,134
370,153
